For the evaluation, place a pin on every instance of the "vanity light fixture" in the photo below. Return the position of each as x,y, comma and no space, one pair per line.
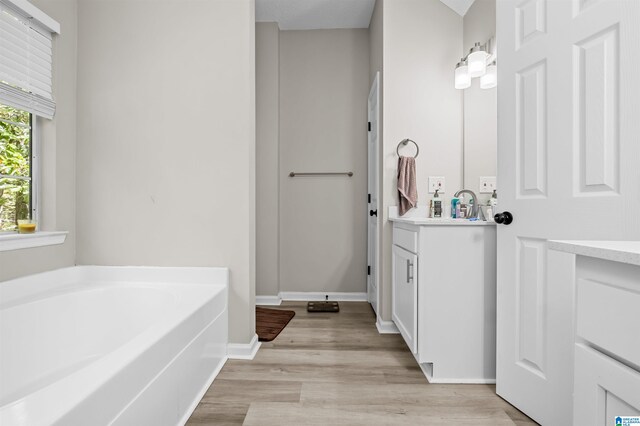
480,62
490,79
477,60
462,79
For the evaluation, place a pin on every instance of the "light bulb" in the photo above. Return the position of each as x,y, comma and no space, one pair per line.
477,61
490,79
462,79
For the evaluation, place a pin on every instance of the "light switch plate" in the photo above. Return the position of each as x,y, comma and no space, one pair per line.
487,184
436,182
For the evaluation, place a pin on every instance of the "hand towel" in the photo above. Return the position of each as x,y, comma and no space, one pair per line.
407,187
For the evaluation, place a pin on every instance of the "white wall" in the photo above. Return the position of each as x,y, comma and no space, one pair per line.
58,155
422,42
166,124
267,159
480,105
323,114
376,37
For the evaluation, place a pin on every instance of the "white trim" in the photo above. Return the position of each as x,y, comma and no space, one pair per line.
202,392
35,168
386,327
29,10
310,296
318,295
268,300
427,370
14,241
243,350
464,381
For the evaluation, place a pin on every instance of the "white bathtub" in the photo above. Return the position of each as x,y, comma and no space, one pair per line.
110,345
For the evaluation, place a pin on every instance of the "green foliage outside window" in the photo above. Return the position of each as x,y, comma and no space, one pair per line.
15,167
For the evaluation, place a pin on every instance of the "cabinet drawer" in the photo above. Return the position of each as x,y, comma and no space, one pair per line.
408,240
603,389
609,317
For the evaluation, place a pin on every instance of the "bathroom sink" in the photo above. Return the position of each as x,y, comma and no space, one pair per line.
440,221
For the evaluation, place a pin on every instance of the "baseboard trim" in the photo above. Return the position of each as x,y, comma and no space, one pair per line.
314,296
243,350
386,327
268,300
427,370
463,381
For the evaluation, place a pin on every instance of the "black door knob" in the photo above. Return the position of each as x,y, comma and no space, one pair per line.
504,218
373,213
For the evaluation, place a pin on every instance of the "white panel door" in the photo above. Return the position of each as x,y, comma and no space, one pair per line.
568,168
372,179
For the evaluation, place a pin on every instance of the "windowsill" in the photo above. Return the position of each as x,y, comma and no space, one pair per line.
15,241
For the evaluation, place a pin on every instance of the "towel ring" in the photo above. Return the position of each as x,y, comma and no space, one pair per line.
406,141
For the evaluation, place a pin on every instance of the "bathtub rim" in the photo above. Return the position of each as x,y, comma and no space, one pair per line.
108,366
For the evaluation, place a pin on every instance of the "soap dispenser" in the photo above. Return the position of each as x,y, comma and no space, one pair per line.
493,202
437,205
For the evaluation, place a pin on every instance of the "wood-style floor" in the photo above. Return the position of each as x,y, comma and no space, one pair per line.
335,369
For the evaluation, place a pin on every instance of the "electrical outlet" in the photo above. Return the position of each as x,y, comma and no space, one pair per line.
436,182
487,184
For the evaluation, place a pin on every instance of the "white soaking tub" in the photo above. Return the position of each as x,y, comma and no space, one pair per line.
110,345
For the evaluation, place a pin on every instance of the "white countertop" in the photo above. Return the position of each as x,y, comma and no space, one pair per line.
418,216
616,251
427,221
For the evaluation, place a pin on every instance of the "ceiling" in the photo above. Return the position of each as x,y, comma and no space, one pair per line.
459,6
315,14
328,14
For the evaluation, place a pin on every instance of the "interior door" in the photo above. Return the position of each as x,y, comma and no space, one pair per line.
568,154
372,178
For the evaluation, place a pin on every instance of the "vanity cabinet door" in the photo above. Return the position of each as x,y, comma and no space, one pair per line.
405,295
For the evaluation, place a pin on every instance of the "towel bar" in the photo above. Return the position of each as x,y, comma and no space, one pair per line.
406,141
294,174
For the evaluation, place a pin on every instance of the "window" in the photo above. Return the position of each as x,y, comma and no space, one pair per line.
17,153
26,93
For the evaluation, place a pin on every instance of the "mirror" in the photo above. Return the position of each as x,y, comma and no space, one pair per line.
479,105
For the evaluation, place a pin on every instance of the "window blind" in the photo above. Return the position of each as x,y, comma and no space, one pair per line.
25,62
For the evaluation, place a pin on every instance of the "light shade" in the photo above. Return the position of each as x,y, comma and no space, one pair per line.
477,61
490,79
462,79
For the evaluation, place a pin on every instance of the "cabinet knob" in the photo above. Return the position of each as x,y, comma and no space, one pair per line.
504,218
373,213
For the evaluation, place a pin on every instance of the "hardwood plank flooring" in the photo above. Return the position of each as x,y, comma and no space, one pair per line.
334,368
303,414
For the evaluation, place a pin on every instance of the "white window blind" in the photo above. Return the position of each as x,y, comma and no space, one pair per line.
25,60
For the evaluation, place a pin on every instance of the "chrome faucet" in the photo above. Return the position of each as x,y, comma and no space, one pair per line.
474,209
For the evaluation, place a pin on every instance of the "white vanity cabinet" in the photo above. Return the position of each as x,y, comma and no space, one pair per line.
607,330
444,296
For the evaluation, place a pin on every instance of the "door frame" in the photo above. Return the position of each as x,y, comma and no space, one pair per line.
373,201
